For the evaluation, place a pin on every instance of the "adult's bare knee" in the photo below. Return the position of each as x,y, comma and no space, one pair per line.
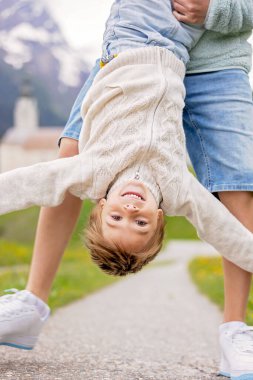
241,198
68,148
240,204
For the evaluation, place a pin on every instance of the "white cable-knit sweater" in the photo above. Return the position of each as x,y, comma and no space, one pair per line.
133,124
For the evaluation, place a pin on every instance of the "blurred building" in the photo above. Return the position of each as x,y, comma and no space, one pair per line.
27,143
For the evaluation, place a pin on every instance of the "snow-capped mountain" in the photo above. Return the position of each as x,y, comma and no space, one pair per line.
32,45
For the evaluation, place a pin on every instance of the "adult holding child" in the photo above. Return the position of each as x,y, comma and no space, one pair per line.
206,123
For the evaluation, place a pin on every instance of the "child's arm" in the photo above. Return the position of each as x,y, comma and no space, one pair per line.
44,184
214,223
230,16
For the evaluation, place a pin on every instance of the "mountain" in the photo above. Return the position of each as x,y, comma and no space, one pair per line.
33,47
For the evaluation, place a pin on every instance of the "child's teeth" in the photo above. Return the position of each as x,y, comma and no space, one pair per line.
132,196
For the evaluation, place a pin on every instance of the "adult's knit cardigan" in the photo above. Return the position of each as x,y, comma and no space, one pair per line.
133,124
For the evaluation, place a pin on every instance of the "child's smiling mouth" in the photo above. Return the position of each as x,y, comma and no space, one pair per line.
133,195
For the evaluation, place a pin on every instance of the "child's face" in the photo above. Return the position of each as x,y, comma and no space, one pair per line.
130,215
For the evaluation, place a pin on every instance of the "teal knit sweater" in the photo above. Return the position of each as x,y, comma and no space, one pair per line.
228,25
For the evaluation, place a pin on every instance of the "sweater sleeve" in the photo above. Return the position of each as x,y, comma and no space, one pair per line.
44,184
230,16
215,224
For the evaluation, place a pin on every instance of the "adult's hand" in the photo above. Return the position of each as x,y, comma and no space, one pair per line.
190,11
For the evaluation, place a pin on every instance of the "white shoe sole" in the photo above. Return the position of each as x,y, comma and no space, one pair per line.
246,376
16,346
23,343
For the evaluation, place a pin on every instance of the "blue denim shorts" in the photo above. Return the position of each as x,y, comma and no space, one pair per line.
218,124
134,24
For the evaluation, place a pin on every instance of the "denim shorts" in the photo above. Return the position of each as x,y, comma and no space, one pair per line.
218,124
134,24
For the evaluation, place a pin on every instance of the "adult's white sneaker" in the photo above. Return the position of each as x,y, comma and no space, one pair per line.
236,342
22,316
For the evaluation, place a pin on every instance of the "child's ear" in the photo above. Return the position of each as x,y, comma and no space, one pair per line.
160,214
102,202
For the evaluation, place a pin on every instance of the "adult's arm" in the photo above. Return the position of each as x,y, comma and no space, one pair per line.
215,224
223,16
44,184
230,16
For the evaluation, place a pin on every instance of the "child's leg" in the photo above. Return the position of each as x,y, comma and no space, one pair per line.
236,280
56,224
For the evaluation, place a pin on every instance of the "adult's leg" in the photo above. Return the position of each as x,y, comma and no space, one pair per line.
56,224
236,280
219,133
54,230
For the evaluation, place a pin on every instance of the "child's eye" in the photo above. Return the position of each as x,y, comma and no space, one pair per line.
116,217
141,223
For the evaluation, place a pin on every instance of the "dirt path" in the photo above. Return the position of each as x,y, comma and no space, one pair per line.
154,325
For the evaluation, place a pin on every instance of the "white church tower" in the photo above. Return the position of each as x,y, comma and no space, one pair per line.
26,114
27,143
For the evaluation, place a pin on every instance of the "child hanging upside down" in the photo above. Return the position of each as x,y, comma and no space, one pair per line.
132,154
132,149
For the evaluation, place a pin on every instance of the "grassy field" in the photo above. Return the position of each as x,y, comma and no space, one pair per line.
208,276
20,226
77,276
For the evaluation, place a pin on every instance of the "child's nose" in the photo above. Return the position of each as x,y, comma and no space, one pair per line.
131,207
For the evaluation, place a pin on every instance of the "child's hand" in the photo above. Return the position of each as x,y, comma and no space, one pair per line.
190,11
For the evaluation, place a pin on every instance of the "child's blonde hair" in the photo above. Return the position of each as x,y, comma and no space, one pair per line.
110,257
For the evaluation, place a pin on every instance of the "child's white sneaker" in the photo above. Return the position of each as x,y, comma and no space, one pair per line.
236,342
22,316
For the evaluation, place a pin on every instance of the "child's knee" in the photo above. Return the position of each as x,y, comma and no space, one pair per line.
68,148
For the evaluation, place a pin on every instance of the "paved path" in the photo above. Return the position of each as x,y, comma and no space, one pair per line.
151,326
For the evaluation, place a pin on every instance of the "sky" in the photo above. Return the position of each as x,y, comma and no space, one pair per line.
83,22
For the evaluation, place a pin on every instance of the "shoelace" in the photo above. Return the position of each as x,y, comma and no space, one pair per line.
11,303
243,340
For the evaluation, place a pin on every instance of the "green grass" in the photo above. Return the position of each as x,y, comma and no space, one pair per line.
178,227
207,274
12,253
77,276
20,226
